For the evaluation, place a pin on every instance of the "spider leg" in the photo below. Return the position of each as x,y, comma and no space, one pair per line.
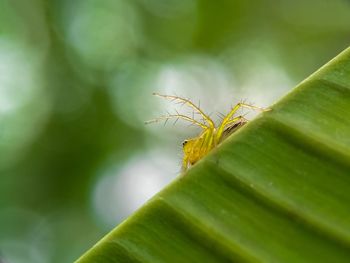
190,104
184,164
178,116
206,144
237,119
250,106
228,118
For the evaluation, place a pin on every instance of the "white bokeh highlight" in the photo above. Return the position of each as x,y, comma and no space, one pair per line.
123,189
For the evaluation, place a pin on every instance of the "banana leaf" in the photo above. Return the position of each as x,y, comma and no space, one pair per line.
277,190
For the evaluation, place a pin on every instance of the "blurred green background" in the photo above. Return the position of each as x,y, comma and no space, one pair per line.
76,79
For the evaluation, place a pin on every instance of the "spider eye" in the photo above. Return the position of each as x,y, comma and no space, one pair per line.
184,142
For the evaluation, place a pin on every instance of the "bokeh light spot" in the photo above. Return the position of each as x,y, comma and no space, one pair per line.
121,190
102,32
23,103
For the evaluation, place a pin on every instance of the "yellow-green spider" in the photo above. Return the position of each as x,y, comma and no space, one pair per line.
211,135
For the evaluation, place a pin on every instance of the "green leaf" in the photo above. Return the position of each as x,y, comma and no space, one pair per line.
278,190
